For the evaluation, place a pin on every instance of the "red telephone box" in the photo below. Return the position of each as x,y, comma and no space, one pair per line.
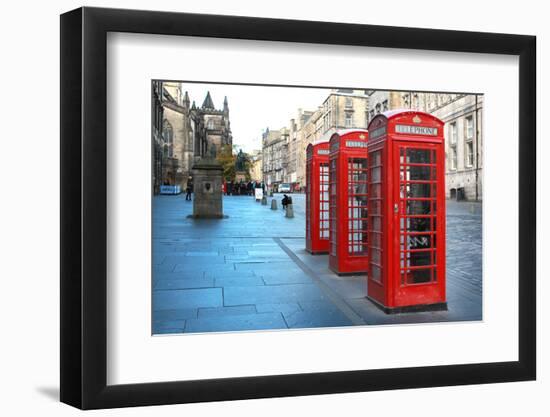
406,212
348,184
317,223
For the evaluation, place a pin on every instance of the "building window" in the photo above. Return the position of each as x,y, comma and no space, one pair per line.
378,108
469,128
349,120
469,153
453,133
452,158
349,103
210,124
385,105
167,132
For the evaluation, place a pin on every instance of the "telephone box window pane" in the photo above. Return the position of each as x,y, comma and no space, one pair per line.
376,158
418,156
323,201
375,254
418,207
376,239
357,206
418,224
375,174
376,224
416,190
376,273
419,276
419,173
420,258
415,242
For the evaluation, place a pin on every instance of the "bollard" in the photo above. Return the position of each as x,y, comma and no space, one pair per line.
264,201
289,211
273,204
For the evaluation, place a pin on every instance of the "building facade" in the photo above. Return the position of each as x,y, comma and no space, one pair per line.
256,162
342,109
462,114
183,132
274,156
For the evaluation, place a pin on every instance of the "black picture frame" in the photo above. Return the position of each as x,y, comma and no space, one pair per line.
84,207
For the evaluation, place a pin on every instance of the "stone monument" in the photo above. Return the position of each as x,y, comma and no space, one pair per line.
207,184
240,166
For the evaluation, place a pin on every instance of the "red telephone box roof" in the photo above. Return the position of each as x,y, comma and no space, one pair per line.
344,132
406,123
392,114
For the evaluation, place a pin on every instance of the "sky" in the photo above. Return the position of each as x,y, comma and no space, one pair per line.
253,108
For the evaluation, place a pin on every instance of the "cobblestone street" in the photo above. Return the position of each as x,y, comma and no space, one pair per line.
250,271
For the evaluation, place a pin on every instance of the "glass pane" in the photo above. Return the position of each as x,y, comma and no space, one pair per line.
419,242
418,276
418,156
418,207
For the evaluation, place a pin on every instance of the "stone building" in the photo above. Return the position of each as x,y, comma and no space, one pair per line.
187,132
157,119
342,109
256,171
274,155
295,138
462,114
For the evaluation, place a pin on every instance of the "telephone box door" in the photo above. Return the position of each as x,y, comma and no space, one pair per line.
419,216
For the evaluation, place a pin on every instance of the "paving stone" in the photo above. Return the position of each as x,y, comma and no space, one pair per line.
203,267
176,314
258,266
278,308
194,260
162,326
272,294
191,298
284,278
238,281
264,321
176,284
167,331
213,273
187,274
226,311
317,305
164,268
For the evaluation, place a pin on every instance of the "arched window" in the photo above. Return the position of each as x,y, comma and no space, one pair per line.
167,132
165,151
210,124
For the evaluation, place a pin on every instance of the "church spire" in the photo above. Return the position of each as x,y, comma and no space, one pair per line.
186,99
225,105
208,103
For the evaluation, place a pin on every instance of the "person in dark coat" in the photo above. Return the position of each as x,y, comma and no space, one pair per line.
285,201
188,191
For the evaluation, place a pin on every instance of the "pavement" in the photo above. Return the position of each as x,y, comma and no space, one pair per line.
250,271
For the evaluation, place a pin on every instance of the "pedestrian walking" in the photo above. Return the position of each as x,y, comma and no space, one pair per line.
285,201
188,192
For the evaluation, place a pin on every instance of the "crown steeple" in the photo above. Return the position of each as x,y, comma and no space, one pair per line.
208,103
